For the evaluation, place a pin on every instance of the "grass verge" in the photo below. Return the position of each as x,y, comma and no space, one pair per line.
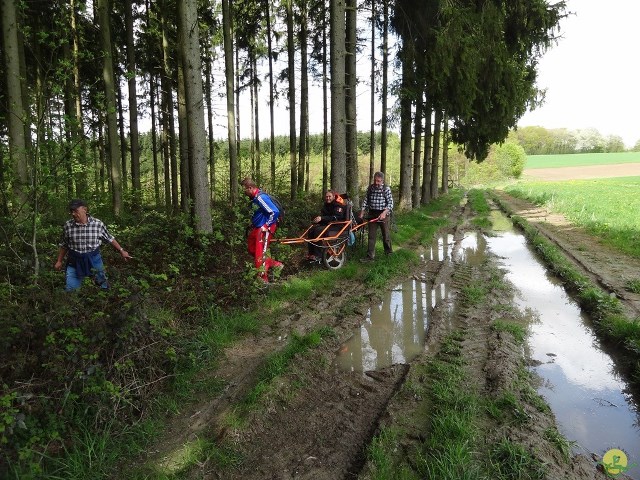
606,208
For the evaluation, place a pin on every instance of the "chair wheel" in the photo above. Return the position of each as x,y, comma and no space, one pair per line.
333,262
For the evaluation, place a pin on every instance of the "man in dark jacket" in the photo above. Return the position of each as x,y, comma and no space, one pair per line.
334,209
264,223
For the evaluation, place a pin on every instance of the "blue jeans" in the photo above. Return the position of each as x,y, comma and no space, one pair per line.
99,276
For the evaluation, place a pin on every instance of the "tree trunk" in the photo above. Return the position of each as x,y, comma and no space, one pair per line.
4,207
372,100
385,86
272,136
304,97
169,131
417,152
445,156
291,78
436,153
338,95
351,78
70,130
192,65
110,105
231,121
256,118
212,153
82,157
122,136
325,109
405,125
183,136
154,139
237,95
133,109
16,113
426,158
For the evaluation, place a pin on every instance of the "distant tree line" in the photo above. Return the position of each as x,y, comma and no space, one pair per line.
543,141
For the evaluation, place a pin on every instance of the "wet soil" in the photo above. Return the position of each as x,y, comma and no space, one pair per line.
319,420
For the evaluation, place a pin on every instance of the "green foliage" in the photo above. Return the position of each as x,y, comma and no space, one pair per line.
95,356
473,294
511,460
478,202
518,331
563,445
503,163
540,141
510,159
633,285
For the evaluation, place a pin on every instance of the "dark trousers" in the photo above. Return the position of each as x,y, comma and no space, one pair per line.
385,226
314,248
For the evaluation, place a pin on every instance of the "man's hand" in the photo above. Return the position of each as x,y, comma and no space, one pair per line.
264,228
316,220
58,265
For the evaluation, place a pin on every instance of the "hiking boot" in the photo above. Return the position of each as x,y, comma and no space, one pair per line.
313,259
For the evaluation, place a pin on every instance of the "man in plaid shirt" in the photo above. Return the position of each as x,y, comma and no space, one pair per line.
379,202
81,240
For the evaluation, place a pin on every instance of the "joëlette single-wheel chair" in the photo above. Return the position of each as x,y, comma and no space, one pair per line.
332,239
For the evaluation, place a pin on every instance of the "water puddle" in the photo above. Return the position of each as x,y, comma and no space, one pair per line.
394,331
580,381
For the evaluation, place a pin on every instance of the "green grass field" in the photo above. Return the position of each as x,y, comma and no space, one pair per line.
581,159
608,208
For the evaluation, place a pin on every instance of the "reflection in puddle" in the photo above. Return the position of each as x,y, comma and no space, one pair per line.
579,380
441,248
472,249
392,333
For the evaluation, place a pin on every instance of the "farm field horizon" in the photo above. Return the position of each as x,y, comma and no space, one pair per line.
580,159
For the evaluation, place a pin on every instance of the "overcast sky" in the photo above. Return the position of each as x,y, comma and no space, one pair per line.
592,76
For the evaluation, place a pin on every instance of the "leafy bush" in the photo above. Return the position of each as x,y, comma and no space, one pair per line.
504,162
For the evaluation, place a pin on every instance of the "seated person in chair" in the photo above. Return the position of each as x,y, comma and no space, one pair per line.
334,209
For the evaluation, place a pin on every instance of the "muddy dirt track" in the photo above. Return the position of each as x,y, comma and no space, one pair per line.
319,421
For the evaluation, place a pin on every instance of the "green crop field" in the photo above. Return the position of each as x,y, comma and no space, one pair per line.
607,208
581,159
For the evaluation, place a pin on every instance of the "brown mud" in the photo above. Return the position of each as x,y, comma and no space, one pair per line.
318,421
